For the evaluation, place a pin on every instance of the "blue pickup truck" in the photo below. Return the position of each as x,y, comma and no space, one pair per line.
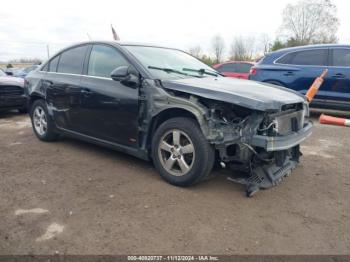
296,68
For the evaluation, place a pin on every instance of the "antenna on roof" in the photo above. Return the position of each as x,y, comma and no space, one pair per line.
48,51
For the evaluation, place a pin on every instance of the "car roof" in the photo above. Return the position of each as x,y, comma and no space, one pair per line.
115,43
119,43
306,47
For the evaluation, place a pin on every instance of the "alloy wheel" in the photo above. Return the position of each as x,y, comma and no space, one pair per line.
40,121
176,152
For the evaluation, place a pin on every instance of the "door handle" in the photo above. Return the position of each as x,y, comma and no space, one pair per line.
85,92
289,73
339,75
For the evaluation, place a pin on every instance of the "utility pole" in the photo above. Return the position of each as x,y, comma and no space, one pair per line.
48,51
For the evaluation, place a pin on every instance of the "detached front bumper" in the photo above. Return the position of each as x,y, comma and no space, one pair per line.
278,143
285,150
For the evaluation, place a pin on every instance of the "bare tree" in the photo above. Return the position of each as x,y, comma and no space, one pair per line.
310,21
26,60
265,43
242,49
196,51
218,45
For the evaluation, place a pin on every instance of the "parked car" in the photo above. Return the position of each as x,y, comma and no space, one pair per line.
236,69
25,71
296,68
11,71
12,93
163,104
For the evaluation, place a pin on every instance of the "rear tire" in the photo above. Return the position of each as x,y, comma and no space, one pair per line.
181,153
42,124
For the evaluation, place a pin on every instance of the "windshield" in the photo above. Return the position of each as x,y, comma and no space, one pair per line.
2,73
164,63
29,69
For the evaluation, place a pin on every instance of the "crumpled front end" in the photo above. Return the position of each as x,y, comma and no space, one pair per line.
262,147
261,144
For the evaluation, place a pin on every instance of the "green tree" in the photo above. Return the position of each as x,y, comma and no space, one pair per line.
207,60
277,44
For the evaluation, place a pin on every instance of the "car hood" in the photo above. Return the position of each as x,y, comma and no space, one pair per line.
249,94
11,81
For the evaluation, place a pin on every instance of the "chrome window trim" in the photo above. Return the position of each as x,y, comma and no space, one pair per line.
98,77
323,48
326,66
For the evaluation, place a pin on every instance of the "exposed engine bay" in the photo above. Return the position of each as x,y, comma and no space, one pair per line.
256,165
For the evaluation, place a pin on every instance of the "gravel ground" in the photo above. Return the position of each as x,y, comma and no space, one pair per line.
70,197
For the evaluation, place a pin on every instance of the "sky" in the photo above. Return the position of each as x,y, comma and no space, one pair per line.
28,27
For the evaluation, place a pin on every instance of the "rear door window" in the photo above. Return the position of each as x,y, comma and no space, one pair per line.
104,59
317,57
227,68
341,57
53,64
243,68
72,60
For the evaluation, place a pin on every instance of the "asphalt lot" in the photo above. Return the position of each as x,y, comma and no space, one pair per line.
70,197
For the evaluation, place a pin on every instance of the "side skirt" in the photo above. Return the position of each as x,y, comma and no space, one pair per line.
139,153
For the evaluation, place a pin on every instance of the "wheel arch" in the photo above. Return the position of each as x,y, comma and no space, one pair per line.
167,114
32,98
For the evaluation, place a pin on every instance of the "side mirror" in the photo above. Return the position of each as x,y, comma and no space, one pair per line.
127,75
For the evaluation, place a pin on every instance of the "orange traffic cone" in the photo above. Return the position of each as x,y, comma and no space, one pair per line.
331,120
315,86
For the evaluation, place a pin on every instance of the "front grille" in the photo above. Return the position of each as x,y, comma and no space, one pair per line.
11,90
296,107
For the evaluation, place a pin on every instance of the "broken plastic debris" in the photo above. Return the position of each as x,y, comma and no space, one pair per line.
34,211
52,230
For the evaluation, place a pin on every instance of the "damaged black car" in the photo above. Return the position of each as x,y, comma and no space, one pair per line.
164,105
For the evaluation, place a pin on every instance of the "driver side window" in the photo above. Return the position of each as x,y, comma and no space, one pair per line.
103,60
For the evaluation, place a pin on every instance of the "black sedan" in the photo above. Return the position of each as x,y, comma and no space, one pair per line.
164,105
12,93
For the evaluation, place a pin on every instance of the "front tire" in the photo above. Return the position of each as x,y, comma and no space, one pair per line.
181,153
42,124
